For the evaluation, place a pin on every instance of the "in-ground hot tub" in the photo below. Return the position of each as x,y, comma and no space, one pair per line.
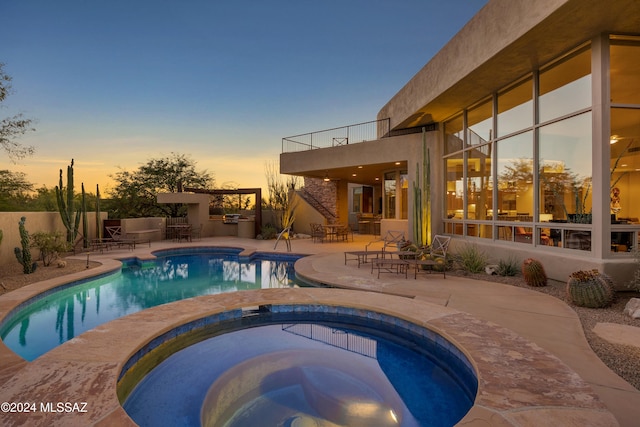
300,365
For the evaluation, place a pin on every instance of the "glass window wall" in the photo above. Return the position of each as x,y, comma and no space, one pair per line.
515,177
565,170
479,183
396,194
565,87
455,186
515,108
480,123
454,134
625,165
624,75
390,187
495,177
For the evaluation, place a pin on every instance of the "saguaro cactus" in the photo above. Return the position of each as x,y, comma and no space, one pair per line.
98,222
66,205
422,198
24,255
85,223
590,289
533,273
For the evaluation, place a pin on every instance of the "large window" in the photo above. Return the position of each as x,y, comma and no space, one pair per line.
515,177
515,108
625,165
396,194
624,143
565,170
455,186
480,123
454,134
565,86
529,179
390,194
547,160
625,74
479,183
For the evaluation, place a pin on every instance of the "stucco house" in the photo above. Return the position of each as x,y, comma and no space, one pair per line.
531,115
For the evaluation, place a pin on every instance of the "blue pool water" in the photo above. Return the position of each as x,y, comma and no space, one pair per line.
306,374
60,315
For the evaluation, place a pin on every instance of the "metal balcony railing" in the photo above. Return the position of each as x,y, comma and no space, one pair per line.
352,134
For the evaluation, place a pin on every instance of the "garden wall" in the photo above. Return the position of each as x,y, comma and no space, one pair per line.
36,222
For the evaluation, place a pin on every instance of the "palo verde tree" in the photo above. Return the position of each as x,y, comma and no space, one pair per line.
281,195
14,191
135,192
12,127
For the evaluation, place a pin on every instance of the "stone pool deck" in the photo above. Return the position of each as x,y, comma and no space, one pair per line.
526,346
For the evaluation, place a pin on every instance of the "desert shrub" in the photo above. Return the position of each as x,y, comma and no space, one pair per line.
51,245
269,232
471,259
508,267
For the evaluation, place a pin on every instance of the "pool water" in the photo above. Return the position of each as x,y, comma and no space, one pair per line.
302,374
61,315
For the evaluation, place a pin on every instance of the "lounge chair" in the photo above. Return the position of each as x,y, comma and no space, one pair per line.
115,238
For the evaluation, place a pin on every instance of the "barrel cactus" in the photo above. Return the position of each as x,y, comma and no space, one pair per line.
590,289
533,273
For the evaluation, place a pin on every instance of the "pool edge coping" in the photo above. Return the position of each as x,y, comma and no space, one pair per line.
77,357
478,412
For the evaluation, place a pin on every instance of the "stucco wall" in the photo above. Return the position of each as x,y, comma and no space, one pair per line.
36,222
305,214
558,264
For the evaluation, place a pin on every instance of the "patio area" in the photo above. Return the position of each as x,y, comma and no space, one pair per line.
508,332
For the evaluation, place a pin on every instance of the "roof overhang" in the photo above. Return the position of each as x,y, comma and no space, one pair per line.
503,42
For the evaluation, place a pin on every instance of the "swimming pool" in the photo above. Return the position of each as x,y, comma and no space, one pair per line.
299,365
63,313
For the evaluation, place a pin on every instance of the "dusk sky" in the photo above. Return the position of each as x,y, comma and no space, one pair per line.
115,83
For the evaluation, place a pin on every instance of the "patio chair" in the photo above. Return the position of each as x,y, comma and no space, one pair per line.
184,233
392,239
342,233
438,253
196,233
317,232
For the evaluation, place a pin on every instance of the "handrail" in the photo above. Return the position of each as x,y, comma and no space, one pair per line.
344,135
324,211
352,134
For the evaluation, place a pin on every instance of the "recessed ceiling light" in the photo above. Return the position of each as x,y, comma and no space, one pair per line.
397,163
360,167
